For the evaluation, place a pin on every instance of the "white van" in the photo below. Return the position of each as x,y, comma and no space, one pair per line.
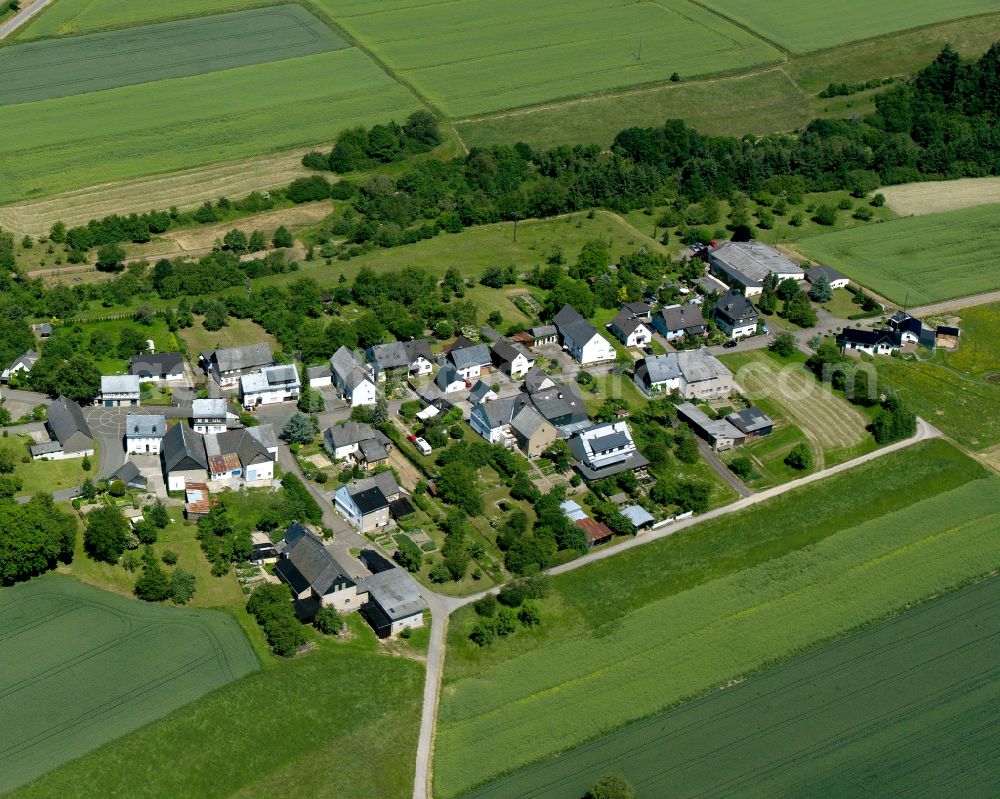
422,445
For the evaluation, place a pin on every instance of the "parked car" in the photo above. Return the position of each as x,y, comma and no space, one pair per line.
730,344
648,350
763,329
422,445
411,438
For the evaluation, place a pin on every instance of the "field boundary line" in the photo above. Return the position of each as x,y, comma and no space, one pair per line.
745,28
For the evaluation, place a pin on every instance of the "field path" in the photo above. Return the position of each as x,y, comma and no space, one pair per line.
21,17
957,305
441,606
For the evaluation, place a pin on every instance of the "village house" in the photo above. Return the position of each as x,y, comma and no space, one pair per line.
118,391
721,434
513,360
313,573
393,602
227,366
184,459
357,442
129,474
469,360
234,457
605,450
678,321
481,392
492,419
581,339
632,331
449,380
144,433
872,342
533,433
563,407
158,368
21,365
269,386
211,416
366,503
537,380
695,374
833,277
404,358
911,329
70,435
638,310
544,334
736,315
745,265
352,378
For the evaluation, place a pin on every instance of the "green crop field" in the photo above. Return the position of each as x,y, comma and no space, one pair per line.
905,708
477,56
660,620
64,67
158,127
959,391
840,21
339,721
928,258
80,667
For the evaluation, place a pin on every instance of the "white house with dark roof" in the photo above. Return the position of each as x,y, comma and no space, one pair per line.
836,279
449,380
678,321
366,503
21,365
183,453
605,450
659,374
118,391
736,314
513,360
537,380
144,433
360,443
161,367
313,572
745,265
470,361
401,357
227,366
872,342
245,455
630,330
492,419
353,378
581,339
270,386
70,435
211,415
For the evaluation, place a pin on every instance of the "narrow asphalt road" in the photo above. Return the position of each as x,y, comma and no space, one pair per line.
720,468
442,606
21,17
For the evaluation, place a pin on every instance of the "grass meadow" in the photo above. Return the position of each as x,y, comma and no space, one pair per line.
477,56
904,707
81,667
43,476
341,721
924,258
660,619
63,67
958,392
840,21
153,128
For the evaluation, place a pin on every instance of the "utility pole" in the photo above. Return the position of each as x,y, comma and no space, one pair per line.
640,49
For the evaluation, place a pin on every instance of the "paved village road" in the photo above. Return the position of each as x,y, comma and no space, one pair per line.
22,16
442,606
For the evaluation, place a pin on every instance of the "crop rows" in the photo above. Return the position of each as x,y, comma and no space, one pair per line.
544,701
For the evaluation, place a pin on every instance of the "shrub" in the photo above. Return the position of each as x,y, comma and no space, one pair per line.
742,467
328,620
169,557
482,634
825,215
512,596
863,213
800,457
182,585
270,604
153,584
529,615
487,606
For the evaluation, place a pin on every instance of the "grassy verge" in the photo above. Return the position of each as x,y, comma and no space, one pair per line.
659,619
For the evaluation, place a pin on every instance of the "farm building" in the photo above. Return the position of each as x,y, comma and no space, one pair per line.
70,435
392,602
118,391
752,422
947,337
158,368
911,329
719,433
744,265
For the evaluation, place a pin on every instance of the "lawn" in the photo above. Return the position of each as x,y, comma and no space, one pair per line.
661,619
45,476
834,428
81,667
476,56
317,722
152,128
768,453
822,724
38,70
918,260
236,333
842,305
841,21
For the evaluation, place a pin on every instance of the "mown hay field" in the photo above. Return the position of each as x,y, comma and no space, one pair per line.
785,581
840,21
924,258
64,67
476,56
154,128
905,708
938,196
80,667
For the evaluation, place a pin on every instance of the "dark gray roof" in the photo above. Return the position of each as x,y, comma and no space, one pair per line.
314,565
467,357
479,391
734,306
394,592
383,481
27,359
527,420
944,330
350,432
750,420
66,419
558,402
609,441
373,450
129,474
399,354
285,373
831,274
505,351
145,425
535,378
491,335
501,411
183,449
572,325
626,323
237,358
544,331
242,443
208,408
447,376
314,372
658,369
869,338
160,363
369,500
683,317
